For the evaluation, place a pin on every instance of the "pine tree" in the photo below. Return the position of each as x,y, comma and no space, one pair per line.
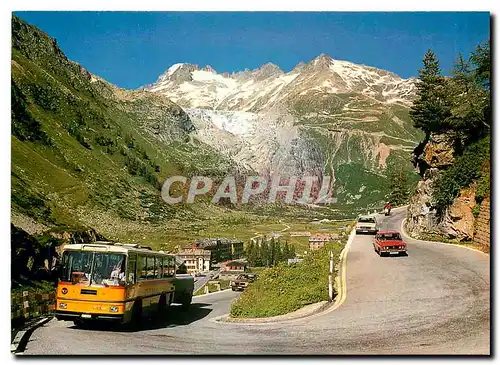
481,59
272,251
430,108
257,254
278,255
398,186
250,253
286,251
465,99
469,97
264,253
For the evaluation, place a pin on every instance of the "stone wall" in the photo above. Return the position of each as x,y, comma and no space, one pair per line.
482,235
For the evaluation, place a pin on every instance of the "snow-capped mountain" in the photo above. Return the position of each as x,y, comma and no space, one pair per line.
324,116
260,89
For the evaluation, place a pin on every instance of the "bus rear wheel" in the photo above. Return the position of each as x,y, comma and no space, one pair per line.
186,301
162,304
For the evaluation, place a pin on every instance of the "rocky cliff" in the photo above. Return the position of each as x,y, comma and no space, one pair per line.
425,218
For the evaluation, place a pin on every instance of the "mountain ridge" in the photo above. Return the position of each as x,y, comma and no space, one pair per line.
343,76
314,119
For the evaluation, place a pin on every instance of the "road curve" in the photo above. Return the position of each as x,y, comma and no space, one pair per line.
436,300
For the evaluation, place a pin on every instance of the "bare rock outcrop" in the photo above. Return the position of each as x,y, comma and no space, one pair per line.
458,222
431,158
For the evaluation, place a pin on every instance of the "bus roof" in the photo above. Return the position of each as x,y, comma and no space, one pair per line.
115,247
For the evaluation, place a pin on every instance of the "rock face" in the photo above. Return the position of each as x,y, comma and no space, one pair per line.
421,216
459,221
438,152
482,234
431,158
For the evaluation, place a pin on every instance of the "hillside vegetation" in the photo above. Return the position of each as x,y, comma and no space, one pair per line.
454,158
86,154
285,288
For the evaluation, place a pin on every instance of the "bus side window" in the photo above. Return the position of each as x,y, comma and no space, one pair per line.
151,267
131,268
172,266
169,266
166,266
158,266
141,267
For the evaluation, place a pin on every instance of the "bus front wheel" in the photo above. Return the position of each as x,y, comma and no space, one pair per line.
136,314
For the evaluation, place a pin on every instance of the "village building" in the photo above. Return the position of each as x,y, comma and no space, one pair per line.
222,249
318,240
230,269
195,259
300,234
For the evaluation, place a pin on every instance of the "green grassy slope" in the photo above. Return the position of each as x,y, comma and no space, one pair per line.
361,139
87,154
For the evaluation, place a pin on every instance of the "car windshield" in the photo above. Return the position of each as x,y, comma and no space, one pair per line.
390,236
93,268
242,277
366,220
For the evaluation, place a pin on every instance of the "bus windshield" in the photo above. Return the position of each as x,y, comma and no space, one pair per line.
93,268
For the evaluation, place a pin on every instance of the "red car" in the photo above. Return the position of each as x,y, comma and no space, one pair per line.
389,242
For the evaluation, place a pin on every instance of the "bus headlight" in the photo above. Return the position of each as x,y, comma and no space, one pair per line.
63,305
113,309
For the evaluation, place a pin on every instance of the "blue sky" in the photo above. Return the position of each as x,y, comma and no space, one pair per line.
131,49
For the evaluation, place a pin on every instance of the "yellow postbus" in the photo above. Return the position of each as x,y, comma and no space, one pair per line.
118,282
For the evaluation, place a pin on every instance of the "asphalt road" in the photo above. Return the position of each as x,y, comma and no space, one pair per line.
436,300
202,280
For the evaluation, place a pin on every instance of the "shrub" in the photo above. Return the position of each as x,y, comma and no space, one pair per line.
24,126
484,184
283,289
476,210
137,167
466,169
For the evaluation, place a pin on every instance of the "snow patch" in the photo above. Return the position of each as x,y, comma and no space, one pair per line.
174,68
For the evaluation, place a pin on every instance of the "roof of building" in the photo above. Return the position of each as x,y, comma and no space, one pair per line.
194,251
320,236
234,263
210,242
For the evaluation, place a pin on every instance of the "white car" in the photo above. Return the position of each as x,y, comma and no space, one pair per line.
366,224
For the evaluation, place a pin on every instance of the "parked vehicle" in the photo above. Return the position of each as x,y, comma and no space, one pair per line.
366,224
242,281
390,243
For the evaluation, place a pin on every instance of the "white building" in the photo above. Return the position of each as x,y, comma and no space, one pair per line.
195,259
